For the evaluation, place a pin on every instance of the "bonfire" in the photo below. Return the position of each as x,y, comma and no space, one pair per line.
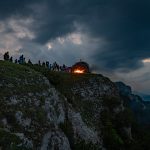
80,67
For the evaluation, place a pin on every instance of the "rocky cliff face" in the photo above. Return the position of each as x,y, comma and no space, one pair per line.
140,108
31,110
60,111
128,96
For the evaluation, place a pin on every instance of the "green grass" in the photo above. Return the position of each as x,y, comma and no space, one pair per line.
19,79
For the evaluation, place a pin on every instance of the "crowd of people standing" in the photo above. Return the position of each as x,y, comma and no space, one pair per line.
22,60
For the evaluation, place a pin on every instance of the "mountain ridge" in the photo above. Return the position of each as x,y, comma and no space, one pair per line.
41,109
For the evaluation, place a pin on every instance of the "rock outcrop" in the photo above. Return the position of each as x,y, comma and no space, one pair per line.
140,108
59,110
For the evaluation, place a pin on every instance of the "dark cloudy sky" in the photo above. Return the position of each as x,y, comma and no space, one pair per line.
112,35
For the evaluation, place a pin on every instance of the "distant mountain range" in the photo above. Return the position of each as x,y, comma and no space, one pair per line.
137,102
145,97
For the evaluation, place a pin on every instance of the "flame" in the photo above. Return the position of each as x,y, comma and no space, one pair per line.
78,71
147,60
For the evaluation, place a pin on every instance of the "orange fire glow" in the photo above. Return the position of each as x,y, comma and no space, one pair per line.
78,71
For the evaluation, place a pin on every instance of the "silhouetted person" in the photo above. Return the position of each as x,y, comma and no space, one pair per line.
47,64
6,56
57,67
29,62
16,61
43,64
50,66
60,68
24,60
63,67
39,63
11,59
21,59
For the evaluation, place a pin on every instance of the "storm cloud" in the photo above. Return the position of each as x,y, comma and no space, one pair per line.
113,35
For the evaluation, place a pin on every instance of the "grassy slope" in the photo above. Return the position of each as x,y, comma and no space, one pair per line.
14,76
18,80
65,81
14,73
